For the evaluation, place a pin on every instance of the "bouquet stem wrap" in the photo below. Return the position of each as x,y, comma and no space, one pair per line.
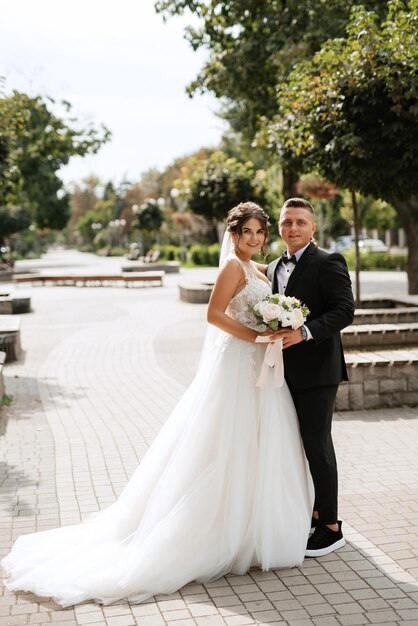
273,358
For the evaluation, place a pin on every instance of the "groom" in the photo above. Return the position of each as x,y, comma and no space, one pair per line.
313,356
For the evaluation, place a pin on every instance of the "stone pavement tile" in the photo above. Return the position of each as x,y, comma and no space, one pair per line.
277,596
321,608
140,610
62,617
150,620
243,589
326,621
200,597
287,604
373,604
295,614
16,620
171,605
266,616
403,603
89,618
357,619
382,617
259,576
24,608
39,618
199,610
237,609
316,579
217,592
238,620
210,620
349,608
181,622
176,615
408,614
252,596
302,590
258,605
271,585
329,588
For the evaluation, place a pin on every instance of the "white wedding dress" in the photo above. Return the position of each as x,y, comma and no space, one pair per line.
223,487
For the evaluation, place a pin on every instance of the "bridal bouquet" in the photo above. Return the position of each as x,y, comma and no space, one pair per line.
274,312
279,311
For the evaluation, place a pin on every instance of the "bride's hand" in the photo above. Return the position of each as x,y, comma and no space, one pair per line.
267,333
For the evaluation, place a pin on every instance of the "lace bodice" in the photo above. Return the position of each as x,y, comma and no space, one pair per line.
255,290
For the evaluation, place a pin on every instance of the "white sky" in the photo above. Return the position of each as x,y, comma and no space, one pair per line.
118,64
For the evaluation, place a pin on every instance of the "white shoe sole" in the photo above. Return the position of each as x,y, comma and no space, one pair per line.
323,551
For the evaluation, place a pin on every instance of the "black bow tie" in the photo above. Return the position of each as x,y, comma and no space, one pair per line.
286,259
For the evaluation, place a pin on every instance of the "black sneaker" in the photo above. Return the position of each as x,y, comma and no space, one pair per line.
324,541
314,524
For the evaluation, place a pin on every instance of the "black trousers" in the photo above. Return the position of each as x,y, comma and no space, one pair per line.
315,408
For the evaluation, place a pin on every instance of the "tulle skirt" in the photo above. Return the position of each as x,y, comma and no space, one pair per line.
223,487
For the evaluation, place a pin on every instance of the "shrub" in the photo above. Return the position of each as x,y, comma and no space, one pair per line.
199,254
168,252
213,252
376,260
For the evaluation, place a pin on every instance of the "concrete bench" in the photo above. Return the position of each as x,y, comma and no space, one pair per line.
366,336
169,267
396,315
93,280
2,387
383,378
10,337
196,293
11,305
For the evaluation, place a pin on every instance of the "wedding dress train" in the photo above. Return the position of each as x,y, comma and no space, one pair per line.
224,486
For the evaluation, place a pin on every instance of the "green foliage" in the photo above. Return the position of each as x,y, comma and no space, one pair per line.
168,252
12,220
376,260
373,213
220,183
34,144
254,45
205,255
351,111
150,216
6,400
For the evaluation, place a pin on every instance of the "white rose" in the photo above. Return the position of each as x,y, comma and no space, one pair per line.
296,317
286,318
271,312
260,306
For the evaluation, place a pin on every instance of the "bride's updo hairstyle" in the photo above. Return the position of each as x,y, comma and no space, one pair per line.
244,212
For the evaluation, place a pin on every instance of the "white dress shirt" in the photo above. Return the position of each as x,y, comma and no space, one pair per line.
284,272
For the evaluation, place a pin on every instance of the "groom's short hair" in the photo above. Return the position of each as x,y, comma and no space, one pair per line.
298,203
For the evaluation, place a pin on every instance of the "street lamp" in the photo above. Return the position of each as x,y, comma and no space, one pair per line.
180,203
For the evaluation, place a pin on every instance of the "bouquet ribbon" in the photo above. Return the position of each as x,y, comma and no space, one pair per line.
273,358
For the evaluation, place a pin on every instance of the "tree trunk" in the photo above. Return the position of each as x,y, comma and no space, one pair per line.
408,214
290,184
356,238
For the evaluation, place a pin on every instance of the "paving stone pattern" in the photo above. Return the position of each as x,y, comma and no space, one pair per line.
102,369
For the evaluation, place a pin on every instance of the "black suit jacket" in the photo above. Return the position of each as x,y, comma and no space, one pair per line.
322,282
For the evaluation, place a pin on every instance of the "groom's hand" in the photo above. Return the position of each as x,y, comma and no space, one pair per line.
289,336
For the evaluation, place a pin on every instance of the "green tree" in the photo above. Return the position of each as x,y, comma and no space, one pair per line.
150,218
351,113
253,46
12,220
219,183
34,144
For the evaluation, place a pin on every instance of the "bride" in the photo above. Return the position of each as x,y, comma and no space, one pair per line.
223,487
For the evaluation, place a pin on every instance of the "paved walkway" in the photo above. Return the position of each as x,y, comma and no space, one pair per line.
102,369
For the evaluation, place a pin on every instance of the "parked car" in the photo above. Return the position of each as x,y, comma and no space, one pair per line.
372,245
342,243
